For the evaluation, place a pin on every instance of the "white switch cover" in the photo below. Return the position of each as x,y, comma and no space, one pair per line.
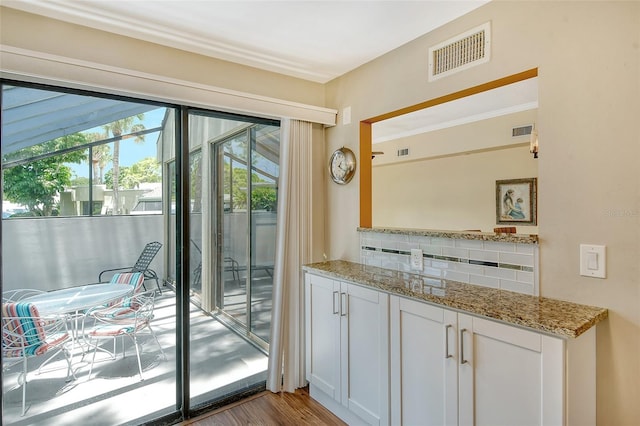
593,261
416,259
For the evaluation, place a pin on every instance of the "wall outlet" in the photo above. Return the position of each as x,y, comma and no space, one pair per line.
416,259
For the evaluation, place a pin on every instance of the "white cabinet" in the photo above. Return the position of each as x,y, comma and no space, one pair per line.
347,349
450,368
424,379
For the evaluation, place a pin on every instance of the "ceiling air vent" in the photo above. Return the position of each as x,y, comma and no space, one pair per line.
461,52
521,131
403,152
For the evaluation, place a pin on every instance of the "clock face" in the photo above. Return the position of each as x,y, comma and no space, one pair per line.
342,165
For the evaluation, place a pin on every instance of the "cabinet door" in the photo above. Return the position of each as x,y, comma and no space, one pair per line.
424,388
365,353
323,334
502,373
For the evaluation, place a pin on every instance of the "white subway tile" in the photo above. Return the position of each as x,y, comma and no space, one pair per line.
429,249
433,272
508,274
455,252
466,267
524,277
526,248
469,244
516,259
488,256
445,242
498,246
440,264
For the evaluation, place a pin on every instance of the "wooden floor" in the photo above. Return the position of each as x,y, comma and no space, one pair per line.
267,408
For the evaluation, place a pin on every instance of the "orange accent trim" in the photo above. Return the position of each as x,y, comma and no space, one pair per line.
365,175
365,133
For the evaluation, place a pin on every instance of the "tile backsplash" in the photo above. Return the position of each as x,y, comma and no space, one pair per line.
509,266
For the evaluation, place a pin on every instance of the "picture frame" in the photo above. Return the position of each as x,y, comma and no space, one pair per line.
516,201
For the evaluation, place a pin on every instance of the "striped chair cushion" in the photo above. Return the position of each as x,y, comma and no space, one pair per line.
134,279
23,331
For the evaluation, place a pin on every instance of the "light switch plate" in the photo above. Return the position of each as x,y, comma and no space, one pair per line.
593,261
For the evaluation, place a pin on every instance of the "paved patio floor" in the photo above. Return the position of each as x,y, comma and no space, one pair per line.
221,363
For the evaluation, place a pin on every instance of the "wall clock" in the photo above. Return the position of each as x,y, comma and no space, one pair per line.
342,165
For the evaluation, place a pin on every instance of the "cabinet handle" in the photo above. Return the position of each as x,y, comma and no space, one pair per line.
462,360
447,355
343,304
335,310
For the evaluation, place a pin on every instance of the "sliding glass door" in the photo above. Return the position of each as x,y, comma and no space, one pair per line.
233,172
88,181
246,180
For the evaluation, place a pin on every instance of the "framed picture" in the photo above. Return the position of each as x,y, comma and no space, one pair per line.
516,201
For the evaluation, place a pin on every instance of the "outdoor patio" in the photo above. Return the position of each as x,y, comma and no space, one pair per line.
221,363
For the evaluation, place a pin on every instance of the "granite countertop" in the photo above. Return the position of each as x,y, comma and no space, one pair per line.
552,316
463,235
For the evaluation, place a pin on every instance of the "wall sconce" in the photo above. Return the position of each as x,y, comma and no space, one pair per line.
533,144
374,153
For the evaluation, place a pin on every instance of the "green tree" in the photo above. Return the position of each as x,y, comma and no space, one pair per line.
100,157
145,170
117,129
263,197
36,184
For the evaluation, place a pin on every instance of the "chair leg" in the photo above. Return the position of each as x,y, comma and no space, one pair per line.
158,342
158,285
135,343
24,385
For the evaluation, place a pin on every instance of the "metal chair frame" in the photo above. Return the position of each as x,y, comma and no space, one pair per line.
141,265
119,321
27,336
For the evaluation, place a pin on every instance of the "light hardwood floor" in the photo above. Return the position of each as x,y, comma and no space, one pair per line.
267,408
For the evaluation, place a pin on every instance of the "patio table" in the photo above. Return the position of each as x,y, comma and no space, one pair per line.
77,299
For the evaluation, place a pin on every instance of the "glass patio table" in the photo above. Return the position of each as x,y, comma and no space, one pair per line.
76,299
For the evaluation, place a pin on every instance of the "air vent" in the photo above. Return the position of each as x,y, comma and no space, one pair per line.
403,152
461,52
521,131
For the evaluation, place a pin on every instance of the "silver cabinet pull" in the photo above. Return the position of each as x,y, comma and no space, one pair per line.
343,304
335,310
462,360
446,341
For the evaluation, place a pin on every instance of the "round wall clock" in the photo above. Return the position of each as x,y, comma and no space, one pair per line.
342,165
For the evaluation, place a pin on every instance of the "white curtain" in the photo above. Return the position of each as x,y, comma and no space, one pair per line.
293,249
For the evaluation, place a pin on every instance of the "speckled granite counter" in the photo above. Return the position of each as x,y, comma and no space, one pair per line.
557,317
462,235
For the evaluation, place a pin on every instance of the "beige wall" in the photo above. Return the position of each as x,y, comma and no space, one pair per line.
587,54
447,181
453,193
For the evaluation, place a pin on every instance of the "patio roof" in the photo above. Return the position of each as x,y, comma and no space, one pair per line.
32,116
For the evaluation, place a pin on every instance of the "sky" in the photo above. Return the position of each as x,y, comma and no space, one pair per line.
130,151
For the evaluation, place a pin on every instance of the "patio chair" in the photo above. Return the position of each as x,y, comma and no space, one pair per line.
141,265
26,334
119,321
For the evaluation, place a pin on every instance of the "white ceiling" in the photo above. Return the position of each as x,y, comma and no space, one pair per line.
313,40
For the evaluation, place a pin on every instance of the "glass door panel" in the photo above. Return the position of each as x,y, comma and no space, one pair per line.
232,227
264,155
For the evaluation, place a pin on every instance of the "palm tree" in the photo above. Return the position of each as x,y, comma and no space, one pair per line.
100,157
117,129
